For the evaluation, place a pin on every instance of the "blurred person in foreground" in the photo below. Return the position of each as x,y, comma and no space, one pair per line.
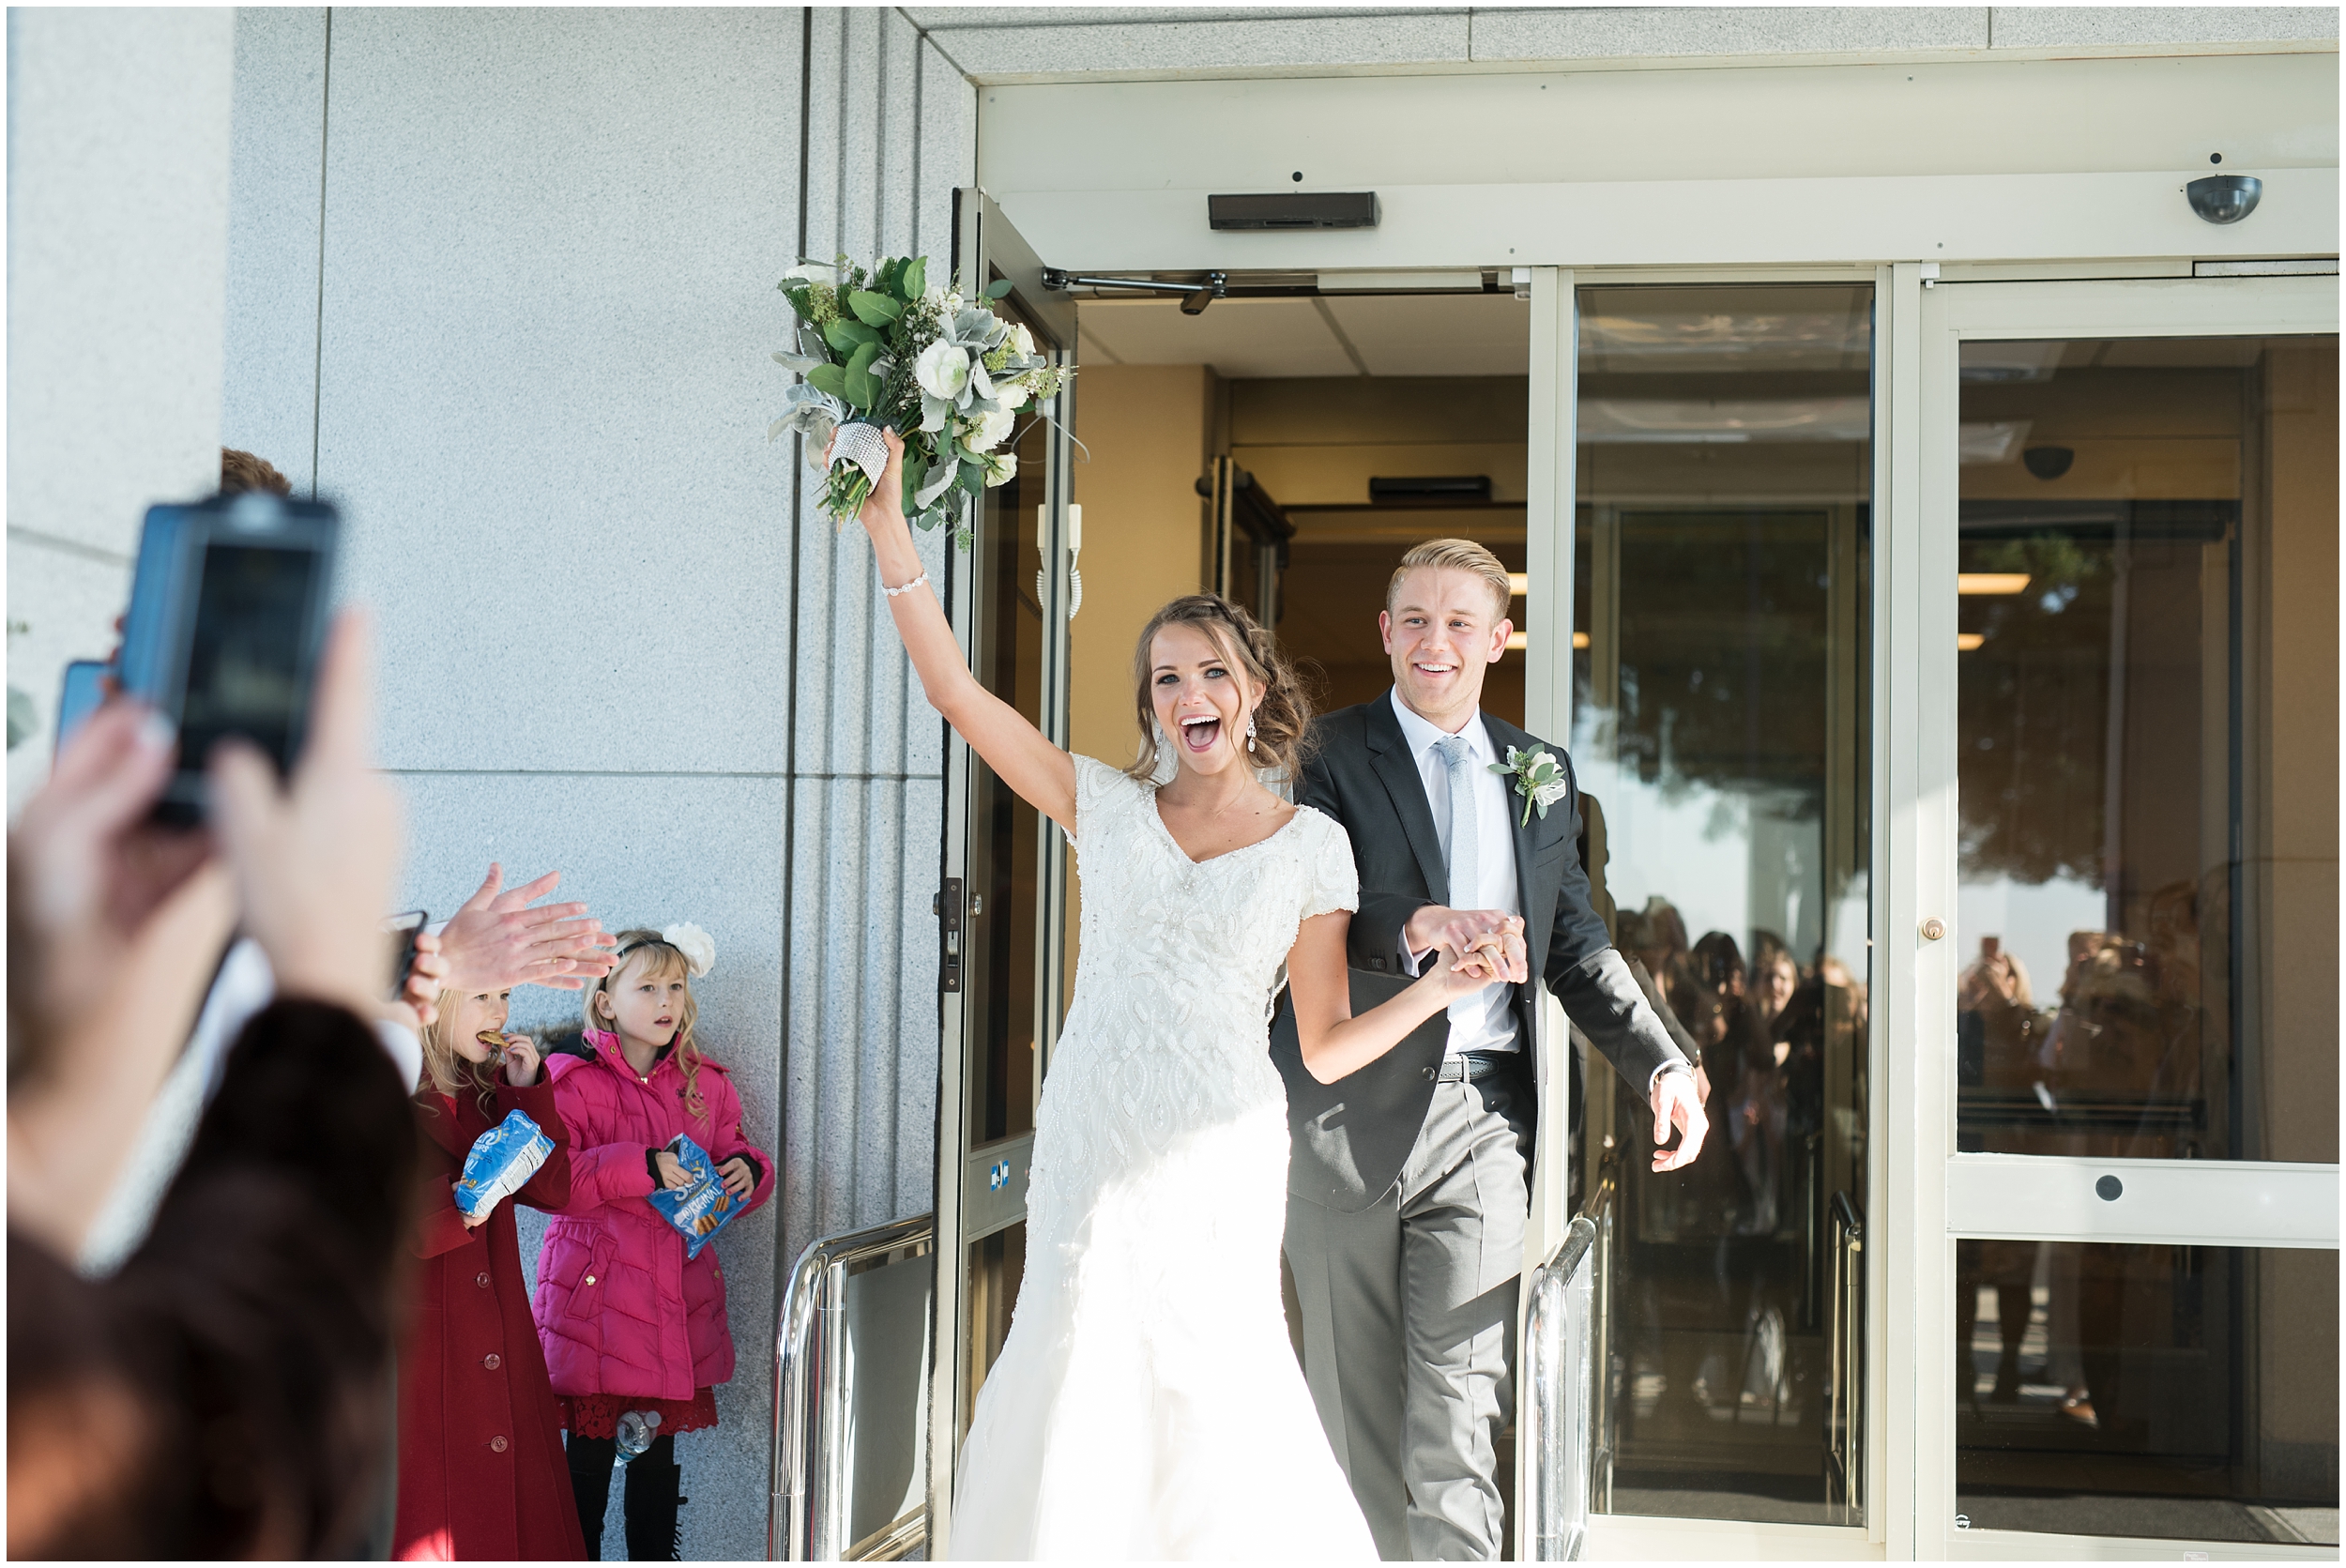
227,1392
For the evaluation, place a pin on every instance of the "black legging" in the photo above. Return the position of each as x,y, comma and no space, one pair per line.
652,1499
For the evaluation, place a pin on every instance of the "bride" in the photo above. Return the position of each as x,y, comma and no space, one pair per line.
1147,1403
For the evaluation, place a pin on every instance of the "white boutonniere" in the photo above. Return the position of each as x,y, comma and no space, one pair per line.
1539,778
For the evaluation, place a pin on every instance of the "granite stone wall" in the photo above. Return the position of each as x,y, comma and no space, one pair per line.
501,284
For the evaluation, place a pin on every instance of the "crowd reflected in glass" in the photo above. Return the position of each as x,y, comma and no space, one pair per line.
2147,736
1719,730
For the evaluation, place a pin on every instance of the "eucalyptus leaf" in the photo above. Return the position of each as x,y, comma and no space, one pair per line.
875,310
935,484
916,277
999,289
973,478
859,362
847,336
828,379
862,390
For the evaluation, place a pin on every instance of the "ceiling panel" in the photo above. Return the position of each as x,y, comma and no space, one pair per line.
1237,336
1438,334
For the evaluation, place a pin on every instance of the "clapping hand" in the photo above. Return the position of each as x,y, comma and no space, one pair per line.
494,941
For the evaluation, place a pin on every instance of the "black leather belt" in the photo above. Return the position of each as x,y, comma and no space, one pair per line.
1471,1067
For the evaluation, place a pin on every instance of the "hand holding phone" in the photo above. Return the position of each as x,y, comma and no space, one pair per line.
228,609
403,931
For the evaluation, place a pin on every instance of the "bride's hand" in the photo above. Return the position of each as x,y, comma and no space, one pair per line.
1459,974
884,508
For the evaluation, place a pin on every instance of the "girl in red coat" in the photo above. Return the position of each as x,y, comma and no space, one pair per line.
628,1323
480,1468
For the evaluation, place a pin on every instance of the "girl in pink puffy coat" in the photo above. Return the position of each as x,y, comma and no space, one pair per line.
627,1322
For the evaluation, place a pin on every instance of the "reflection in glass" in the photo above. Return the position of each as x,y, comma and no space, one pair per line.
1724,472
2183,1393
1004,839
2147,725
997,1265
1004,918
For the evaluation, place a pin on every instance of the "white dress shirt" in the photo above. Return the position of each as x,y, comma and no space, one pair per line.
1483,1020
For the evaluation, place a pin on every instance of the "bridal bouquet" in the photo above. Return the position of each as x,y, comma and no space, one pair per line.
884,348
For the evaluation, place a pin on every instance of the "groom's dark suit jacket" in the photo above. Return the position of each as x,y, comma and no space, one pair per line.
1352,1136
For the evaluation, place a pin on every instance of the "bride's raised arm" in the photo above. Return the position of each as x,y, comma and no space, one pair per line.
1044,776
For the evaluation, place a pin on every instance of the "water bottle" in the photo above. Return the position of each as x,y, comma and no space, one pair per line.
636,1429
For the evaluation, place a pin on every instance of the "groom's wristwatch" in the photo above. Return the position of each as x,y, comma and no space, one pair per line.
1682,1065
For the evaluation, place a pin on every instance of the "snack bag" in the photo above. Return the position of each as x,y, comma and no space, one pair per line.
702,1210
501,1159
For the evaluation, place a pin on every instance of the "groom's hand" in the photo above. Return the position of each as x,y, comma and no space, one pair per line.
1434,926
1677,1102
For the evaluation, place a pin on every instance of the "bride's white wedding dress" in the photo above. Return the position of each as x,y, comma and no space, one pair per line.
1147,1403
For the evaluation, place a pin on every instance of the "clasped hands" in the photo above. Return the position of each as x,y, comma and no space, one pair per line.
1675,1098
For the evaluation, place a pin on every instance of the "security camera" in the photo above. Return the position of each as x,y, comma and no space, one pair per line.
2224,198
2049,463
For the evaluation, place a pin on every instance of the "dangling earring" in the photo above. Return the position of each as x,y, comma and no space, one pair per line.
1250,732
1165,741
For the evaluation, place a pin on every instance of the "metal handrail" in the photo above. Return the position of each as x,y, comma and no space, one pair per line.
1559,1365
808,1517
1845,1338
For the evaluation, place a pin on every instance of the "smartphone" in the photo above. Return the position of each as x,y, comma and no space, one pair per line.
79,695
402,929
228,609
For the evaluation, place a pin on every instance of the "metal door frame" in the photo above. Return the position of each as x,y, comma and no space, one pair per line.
1944,1193
983,236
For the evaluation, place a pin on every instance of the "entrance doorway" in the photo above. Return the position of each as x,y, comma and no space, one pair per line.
2131,1329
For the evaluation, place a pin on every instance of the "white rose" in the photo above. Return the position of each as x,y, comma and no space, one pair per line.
941,371
1000,468
1022,340
1010,394
698,947
812,272
988,430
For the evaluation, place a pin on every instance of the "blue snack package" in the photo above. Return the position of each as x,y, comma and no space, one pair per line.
500,1162
701,1209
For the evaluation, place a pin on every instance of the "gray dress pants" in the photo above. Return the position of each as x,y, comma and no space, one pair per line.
1409,1312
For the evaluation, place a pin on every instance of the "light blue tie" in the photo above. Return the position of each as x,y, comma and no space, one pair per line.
1465,850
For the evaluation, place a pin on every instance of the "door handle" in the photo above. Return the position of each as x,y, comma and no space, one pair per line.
1074,550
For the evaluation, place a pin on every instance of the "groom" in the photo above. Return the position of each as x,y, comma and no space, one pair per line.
1406,1191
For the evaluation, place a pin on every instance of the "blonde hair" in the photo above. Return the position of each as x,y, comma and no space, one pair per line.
444,1068
1454,555
661,961
1282,718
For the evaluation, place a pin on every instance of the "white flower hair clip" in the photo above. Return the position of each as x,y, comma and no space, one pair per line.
698,947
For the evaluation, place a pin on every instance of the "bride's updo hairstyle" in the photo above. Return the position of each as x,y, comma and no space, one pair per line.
1282,720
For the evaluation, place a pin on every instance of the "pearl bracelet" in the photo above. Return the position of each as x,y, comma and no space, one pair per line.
907,587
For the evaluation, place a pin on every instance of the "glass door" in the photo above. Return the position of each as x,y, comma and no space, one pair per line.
1720,727
1003,906
2128,973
